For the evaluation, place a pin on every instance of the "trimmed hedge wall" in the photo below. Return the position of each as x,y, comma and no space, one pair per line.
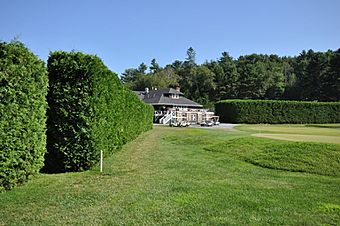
89,110
23,90
273,111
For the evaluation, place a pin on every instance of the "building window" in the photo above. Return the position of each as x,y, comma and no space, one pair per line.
174,96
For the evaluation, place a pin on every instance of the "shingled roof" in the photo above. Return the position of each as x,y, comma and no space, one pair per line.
157,97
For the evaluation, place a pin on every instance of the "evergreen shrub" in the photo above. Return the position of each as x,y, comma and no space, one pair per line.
89,111
23,90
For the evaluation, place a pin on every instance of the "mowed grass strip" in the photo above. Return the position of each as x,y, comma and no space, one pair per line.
167,177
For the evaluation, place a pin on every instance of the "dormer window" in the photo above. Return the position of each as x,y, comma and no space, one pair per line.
174,96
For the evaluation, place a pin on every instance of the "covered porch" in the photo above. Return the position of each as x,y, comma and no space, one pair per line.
164,115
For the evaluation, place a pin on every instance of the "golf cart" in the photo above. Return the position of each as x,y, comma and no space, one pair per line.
178,123
215,120
207,123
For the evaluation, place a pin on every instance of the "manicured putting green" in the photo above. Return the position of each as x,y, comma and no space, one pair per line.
294,129
325,133
300,137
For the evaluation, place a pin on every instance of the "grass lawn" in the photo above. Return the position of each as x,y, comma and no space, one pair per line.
191,176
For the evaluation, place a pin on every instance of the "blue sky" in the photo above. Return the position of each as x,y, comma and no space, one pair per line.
124,33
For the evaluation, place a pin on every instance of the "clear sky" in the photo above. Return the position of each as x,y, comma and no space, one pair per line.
124,33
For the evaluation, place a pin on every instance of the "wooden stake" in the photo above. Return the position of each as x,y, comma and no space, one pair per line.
101,161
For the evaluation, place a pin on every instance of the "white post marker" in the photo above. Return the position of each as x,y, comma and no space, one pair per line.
101,161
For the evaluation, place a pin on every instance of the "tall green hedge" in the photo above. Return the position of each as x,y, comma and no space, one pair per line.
23,89
89,111
273,111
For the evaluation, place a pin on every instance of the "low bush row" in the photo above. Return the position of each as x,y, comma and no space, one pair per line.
277,111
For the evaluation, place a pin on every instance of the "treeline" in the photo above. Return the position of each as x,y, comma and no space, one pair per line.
310,76
61,117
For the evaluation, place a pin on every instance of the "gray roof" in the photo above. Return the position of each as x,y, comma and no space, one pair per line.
156,97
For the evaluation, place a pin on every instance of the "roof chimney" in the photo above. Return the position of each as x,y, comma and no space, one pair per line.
146,90
178,88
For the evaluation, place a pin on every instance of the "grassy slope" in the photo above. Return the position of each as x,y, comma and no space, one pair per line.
167,177
318,158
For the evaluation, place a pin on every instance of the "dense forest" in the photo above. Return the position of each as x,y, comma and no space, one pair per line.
313,76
